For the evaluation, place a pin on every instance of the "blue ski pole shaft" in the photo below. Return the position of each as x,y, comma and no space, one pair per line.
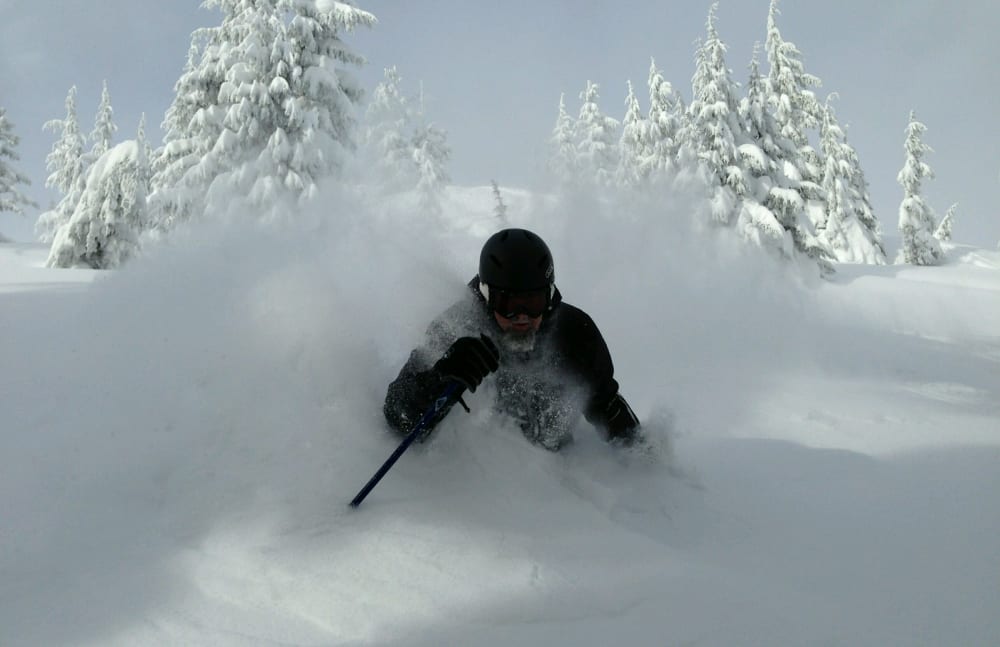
431,413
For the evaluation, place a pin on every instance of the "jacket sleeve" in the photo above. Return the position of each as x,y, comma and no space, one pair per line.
412,393
418,384
606,408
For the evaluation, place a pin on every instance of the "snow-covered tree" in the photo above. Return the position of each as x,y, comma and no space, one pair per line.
104,126
499,207
764,214
562,146
943,231
11,198
141,137
630,151
796,112
388,133
191,126
103,231
403,149
661,141
796,109
716,130
288,100
916,219
431,154
66,164
267,108
850,233
144,174
596,139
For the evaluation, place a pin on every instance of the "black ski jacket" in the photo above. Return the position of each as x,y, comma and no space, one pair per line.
568,372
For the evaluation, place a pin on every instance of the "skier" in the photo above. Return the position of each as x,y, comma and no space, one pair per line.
551,362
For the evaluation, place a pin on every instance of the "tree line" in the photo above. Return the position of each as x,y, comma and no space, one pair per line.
755,152
264,113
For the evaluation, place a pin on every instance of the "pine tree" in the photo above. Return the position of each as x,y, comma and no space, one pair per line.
66,164
796,112
191,126
499,208
850,232
943,231
716,130
763,156
11,198
597,139
103,231
562,146
144,174
662,134
795,106
629,174
314,130
388,138
104,126
266,109
175,196
916,219
430,156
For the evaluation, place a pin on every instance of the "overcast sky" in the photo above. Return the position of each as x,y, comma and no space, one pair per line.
493,72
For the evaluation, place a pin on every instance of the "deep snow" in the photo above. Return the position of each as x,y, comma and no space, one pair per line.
181,439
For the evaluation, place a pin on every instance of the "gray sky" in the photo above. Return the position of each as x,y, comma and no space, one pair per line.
493,72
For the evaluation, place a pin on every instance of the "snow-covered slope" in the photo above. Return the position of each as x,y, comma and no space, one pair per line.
180,440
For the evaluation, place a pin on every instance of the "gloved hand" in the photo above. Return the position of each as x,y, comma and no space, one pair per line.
469,360
621,422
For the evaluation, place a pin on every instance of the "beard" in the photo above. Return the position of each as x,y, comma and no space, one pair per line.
517,341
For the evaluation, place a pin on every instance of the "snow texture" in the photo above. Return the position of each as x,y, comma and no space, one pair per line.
181,438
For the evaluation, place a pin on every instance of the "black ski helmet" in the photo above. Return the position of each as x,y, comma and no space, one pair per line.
516,260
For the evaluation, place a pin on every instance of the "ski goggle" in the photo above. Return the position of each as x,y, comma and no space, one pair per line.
533,303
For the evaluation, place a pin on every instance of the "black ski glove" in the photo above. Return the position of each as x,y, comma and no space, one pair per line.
621,422
469,360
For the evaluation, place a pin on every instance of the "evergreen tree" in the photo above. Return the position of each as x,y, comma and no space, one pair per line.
430,156
664,125
11,198
144,174
191,126
851,233
500,208
597,139
103,231
104,126
314,130
562,146
943,231
716,130
629,172
763,216
388,139
264,112
916,219
147,150
796,111
66,164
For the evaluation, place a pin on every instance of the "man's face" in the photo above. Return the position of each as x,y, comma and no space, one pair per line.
520,323
518,331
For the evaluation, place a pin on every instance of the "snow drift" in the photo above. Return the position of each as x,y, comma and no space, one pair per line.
181,439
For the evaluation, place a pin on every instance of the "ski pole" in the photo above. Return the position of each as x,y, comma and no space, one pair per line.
431,413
